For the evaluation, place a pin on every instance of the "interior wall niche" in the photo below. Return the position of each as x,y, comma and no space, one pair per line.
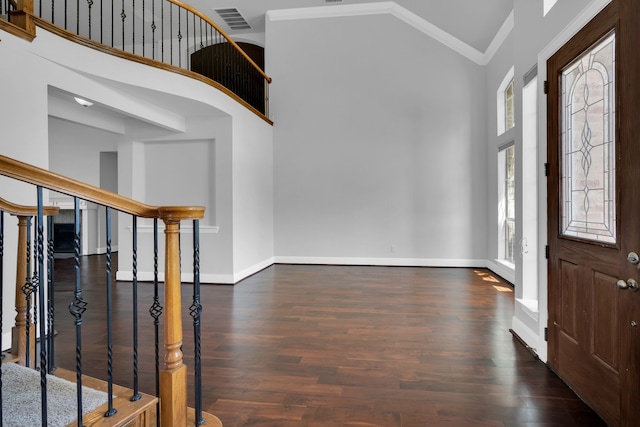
222,62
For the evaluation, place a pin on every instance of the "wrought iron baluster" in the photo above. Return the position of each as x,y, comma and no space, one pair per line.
101,21
133,25
153,29
27,290
90,4
66,13
156,311
162,32
51,295
77,16
171,33
42,324
196,311
123,16
143,38
77,307
136,395
111,410
179,37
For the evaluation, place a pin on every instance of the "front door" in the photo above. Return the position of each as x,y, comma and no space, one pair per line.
593,110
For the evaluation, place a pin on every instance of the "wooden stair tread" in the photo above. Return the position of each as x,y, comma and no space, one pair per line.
128,411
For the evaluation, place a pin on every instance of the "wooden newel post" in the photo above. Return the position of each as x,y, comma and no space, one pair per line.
19,331
173,377
22,16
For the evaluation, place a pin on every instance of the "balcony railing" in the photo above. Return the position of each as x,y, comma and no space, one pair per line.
163,33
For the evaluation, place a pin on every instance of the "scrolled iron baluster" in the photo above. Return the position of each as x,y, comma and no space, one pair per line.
153,29
50,293
156,311
196,310
124,17
42,324
136,395
90,4
77,308
111,411
27,290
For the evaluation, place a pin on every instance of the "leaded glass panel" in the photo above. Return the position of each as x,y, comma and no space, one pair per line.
588,144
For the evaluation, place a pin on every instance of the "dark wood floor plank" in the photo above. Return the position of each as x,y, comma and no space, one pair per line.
341,346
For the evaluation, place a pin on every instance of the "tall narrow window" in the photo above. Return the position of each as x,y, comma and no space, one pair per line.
509,106
507,197
506,103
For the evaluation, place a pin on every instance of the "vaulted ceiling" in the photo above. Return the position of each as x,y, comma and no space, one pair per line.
475,22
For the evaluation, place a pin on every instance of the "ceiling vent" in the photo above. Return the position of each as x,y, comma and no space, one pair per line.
333,1
233,19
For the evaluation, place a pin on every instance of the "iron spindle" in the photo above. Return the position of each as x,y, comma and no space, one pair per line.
156,311
101,21
133,26
77,307
66,9
42,324
27,289
136,395
90,4
123,16
179,37
153,29
196,311
50,294
143,13
171,33
77,16
111,410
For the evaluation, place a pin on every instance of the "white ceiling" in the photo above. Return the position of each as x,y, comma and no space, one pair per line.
474,22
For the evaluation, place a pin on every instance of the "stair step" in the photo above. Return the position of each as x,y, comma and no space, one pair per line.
141,413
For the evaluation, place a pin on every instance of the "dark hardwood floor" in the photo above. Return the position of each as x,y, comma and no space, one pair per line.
339,346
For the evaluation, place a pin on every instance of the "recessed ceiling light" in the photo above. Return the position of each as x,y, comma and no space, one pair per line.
83,102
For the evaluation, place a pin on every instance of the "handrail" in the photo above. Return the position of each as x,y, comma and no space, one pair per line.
167,34
172,377
37,176
224,34
22,210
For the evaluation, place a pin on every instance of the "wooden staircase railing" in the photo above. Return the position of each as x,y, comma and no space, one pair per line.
173,373
159,33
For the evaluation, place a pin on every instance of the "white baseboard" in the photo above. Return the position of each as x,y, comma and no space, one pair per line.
501,270
225,279
527,335
394,262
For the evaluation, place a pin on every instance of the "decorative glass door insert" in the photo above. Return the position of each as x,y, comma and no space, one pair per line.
588,206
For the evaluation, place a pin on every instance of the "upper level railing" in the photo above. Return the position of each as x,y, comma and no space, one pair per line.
34,287
163,33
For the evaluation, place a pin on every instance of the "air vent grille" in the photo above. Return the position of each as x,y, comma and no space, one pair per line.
233,18
333,1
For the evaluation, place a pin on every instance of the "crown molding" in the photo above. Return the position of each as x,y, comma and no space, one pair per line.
404,15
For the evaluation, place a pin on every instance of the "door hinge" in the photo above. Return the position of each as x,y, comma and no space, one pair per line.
545,86
546,251
546,334
546,169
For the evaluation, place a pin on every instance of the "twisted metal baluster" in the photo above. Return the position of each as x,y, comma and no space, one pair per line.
156,311
90,4
42,324
50,293
27,290
77,308
123,16
136,395
111,410
195,311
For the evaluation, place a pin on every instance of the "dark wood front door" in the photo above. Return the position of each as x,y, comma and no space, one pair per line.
593,109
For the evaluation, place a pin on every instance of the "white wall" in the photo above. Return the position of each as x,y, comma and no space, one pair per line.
380,144
145,105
